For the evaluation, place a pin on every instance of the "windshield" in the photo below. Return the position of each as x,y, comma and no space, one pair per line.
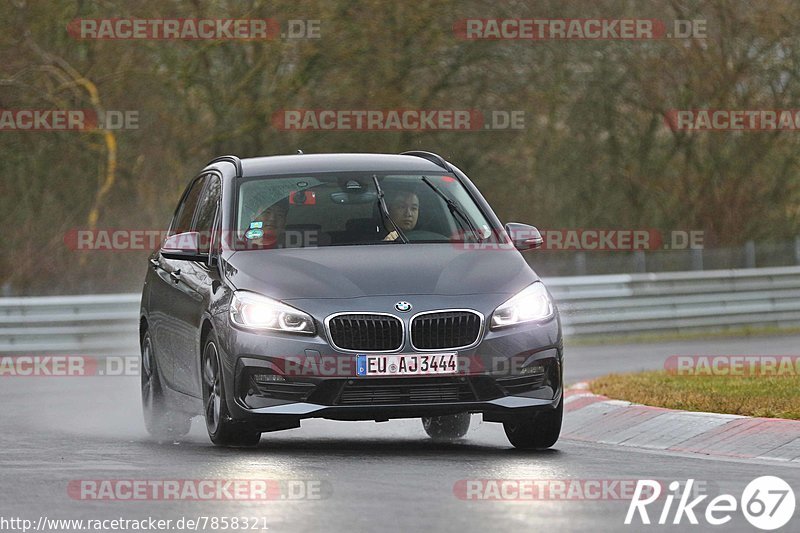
334,209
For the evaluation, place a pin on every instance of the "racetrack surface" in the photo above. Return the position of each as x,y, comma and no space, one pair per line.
376,477
587,362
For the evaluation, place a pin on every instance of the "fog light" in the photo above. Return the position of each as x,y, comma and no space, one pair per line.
264,379
532,370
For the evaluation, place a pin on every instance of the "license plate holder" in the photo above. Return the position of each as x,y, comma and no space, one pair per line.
409,364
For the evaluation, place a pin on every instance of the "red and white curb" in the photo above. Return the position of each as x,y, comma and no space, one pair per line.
595,418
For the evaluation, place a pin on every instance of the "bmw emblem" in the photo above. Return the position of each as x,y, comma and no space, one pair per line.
403,307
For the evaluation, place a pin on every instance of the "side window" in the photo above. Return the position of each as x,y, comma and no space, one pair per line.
205,212
183,217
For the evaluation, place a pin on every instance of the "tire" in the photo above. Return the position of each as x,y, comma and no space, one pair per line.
538,431
448,427
159,419
222,429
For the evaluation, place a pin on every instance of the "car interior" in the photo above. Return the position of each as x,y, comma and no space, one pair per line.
324,215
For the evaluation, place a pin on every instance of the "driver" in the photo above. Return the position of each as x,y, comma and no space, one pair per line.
403,207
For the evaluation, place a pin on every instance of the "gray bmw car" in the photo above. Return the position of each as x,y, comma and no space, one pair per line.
346,287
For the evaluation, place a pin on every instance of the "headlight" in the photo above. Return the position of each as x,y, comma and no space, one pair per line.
253,311
529,305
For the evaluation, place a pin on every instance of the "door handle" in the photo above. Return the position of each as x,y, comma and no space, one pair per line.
175,275
154,262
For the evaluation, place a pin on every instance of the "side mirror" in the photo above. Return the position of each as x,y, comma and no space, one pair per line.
524,237
184,246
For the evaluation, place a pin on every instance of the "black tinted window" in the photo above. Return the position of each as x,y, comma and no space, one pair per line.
206,211
183,219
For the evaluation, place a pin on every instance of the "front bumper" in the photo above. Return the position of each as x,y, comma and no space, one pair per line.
274,380
493,410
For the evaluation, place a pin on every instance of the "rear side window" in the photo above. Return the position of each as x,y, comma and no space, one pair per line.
183,216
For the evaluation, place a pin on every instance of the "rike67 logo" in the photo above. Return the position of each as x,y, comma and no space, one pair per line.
767,502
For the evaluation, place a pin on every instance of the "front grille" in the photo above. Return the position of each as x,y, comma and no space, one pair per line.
365,332
406,391
445,330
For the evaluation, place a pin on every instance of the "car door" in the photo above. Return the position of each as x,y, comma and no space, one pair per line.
195,284
171,298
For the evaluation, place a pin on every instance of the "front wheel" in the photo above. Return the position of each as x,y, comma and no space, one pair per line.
160,421
222,429
538,431
447,427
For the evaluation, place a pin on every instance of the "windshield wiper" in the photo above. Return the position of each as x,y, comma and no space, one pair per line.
455,209
385,211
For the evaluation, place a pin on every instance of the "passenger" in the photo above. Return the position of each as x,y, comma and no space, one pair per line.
267,228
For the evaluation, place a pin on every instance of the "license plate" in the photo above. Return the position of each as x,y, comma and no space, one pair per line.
406,364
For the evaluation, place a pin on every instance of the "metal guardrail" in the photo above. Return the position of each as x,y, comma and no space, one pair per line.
615,305
679,302
96,324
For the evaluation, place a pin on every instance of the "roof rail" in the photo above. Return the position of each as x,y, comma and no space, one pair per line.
232,159
430,156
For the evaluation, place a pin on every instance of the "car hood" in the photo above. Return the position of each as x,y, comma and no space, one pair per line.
377,270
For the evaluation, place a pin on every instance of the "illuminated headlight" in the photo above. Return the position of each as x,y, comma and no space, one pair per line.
253,311
532,304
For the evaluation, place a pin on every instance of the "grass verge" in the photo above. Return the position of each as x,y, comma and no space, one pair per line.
770,397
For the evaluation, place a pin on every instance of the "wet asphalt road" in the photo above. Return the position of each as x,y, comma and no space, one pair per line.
374,477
